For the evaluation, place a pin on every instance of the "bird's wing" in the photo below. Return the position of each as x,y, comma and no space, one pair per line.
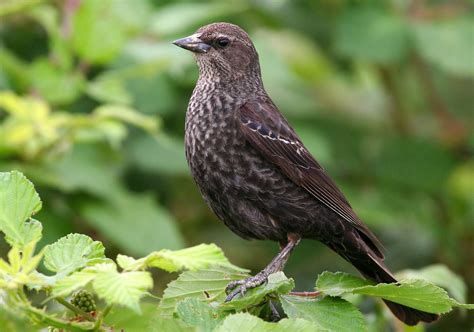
268,131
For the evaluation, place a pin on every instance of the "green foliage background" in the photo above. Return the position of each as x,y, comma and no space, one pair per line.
93,98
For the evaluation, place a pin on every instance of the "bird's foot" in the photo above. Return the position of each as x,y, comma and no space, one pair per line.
241,286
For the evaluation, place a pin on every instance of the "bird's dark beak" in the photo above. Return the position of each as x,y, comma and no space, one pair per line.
193,43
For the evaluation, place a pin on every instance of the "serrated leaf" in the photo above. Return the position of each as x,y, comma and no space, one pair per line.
199,314
337,284
439,275
246,322
328,313
418,294
205,285
73,282
126,288
72,252
18,202
32,231
276,283
202,256
20,270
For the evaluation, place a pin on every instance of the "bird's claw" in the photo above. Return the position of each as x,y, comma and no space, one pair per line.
233,284
243,285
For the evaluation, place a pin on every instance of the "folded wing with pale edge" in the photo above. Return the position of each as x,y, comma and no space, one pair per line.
267,130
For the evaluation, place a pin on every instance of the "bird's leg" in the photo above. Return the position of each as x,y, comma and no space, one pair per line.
277,264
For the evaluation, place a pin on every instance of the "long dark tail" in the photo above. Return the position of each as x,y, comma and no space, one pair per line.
368,259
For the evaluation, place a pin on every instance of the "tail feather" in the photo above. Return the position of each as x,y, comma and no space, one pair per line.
373,269
410,316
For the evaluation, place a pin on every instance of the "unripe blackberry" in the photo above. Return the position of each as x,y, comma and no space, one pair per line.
84,301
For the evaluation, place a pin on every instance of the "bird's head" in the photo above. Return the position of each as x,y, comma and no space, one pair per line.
223,51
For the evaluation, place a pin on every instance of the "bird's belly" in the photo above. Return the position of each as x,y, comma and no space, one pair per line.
251,195
230,183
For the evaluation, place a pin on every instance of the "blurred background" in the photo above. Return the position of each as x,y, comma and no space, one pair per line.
93,97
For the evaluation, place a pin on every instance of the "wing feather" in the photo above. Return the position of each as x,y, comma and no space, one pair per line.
267,130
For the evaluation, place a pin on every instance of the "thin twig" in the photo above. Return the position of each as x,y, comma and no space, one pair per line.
306,294
101,317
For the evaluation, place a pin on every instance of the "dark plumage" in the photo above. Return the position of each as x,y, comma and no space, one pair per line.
256,174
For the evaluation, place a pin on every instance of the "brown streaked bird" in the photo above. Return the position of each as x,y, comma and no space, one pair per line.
255,172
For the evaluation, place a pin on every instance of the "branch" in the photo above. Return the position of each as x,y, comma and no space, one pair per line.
306,294
57,322
101,317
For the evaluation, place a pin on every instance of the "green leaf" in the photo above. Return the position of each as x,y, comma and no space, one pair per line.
49,81
199,257
337,284
124,319
415,164
131,221
277,283
461,182
73,282
126,288
205,285
160,324
153,92
372,35
199,314
439,275
109,90
446,44
15,69
97,34
18,202
246,322
32,231
418,294
10,321
328,313
87,169
164,155
72,252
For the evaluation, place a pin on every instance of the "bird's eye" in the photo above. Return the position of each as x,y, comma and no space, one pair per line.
223,42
